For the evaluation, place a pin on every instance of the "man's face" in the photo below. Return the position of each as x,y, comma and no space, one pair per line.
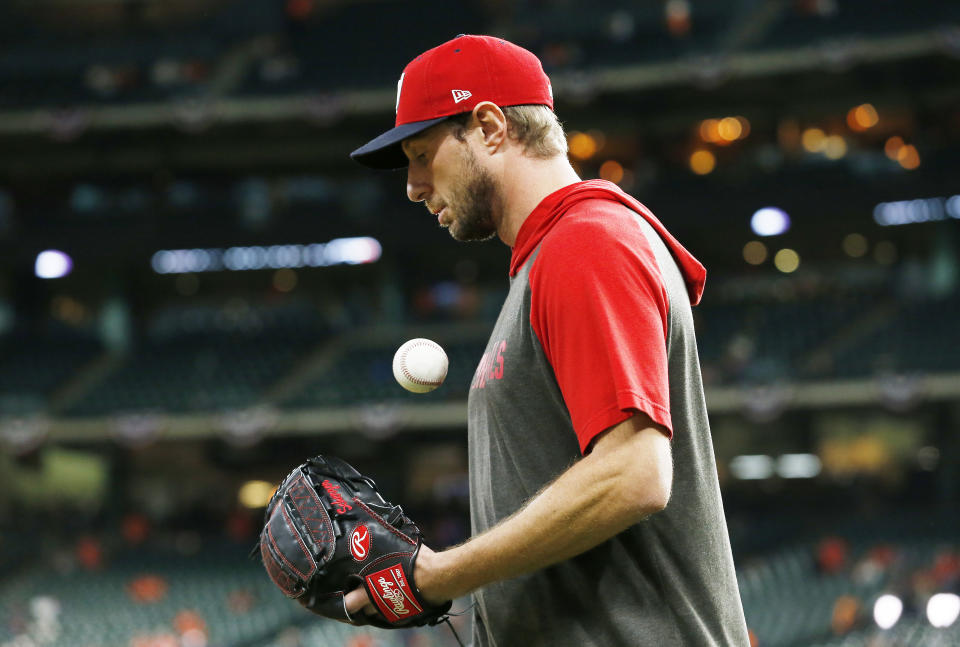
445,175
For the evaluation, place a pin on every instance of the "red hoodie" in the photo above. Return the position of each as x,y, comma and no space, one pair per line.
555,205
598,303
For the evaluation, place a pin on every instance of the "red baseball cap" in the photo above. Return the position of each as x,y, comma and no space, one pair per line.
453,78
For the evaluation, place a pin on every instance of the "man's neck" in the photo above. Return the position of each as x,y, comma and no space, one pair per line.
526,182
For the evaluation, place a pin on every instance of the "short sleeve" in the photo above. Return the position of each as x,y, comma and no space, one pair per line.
599,309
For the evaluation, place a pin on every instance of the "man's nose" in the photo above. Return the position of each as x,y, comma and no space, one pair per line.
418,189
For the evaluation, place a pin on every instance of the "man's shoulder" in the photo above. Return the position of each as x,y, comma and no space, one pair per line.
594,224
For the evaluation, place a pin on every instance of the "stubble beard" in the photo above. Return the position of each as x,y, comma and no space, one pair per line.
474,202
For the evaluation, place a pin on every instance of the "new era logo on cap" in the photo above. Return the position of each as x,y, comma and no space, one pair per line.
460,95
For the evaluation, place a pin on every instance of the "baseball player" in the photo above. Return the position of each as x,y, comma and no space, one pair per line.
595,505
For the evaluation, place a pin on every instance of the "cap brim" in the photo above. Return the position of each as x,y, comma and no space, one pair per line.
385,151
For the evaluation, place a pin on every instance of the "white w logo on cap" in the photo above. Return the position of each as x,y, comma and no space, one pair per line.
460,95
399,87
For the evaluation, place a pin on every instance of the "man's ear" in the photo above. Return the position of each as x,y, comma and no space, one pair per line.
493,124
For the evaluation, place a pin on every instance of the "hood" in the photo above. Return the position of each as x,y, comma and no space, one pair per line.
555,205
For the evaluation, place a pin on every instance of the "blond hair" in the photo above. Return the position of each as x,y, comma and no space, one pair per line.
534,126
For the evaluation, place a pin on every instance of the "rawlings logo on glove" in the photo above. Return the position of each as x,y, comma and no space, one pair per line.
360,543
328,530
390,585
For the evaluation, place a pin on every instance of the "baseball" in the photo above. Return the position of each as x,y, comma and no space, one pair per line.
420,365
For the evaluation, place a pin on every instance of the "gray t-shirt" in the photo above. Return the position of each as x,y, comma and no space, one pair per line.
668,580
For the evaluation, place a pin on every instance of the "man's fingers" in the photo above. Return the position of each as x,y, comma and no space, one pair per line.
356,600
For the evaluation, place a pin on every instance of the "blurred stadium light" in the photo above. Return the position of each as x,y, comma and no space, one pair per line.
769,221
798,466
887,611
256,494
340,251
905,212
943,609
52,264
752,467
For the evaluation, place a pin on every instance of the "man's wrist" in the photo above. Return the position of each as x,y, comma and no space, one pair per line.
432,576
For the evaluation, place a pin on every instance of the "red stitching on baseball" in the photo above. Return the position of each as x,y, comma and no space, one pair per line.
406,373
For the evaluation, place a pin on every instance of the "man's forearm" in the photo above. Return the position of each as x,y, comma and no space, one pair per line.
625,478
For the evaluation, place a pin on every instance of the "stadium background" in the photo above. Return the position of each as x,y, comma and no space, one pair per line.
198,290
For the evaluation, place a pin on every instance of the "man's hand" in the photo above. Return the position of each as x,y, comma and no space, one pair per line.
358,602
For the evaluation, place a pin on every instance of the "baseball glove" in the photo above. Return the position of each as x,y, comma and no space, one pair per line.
328,530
